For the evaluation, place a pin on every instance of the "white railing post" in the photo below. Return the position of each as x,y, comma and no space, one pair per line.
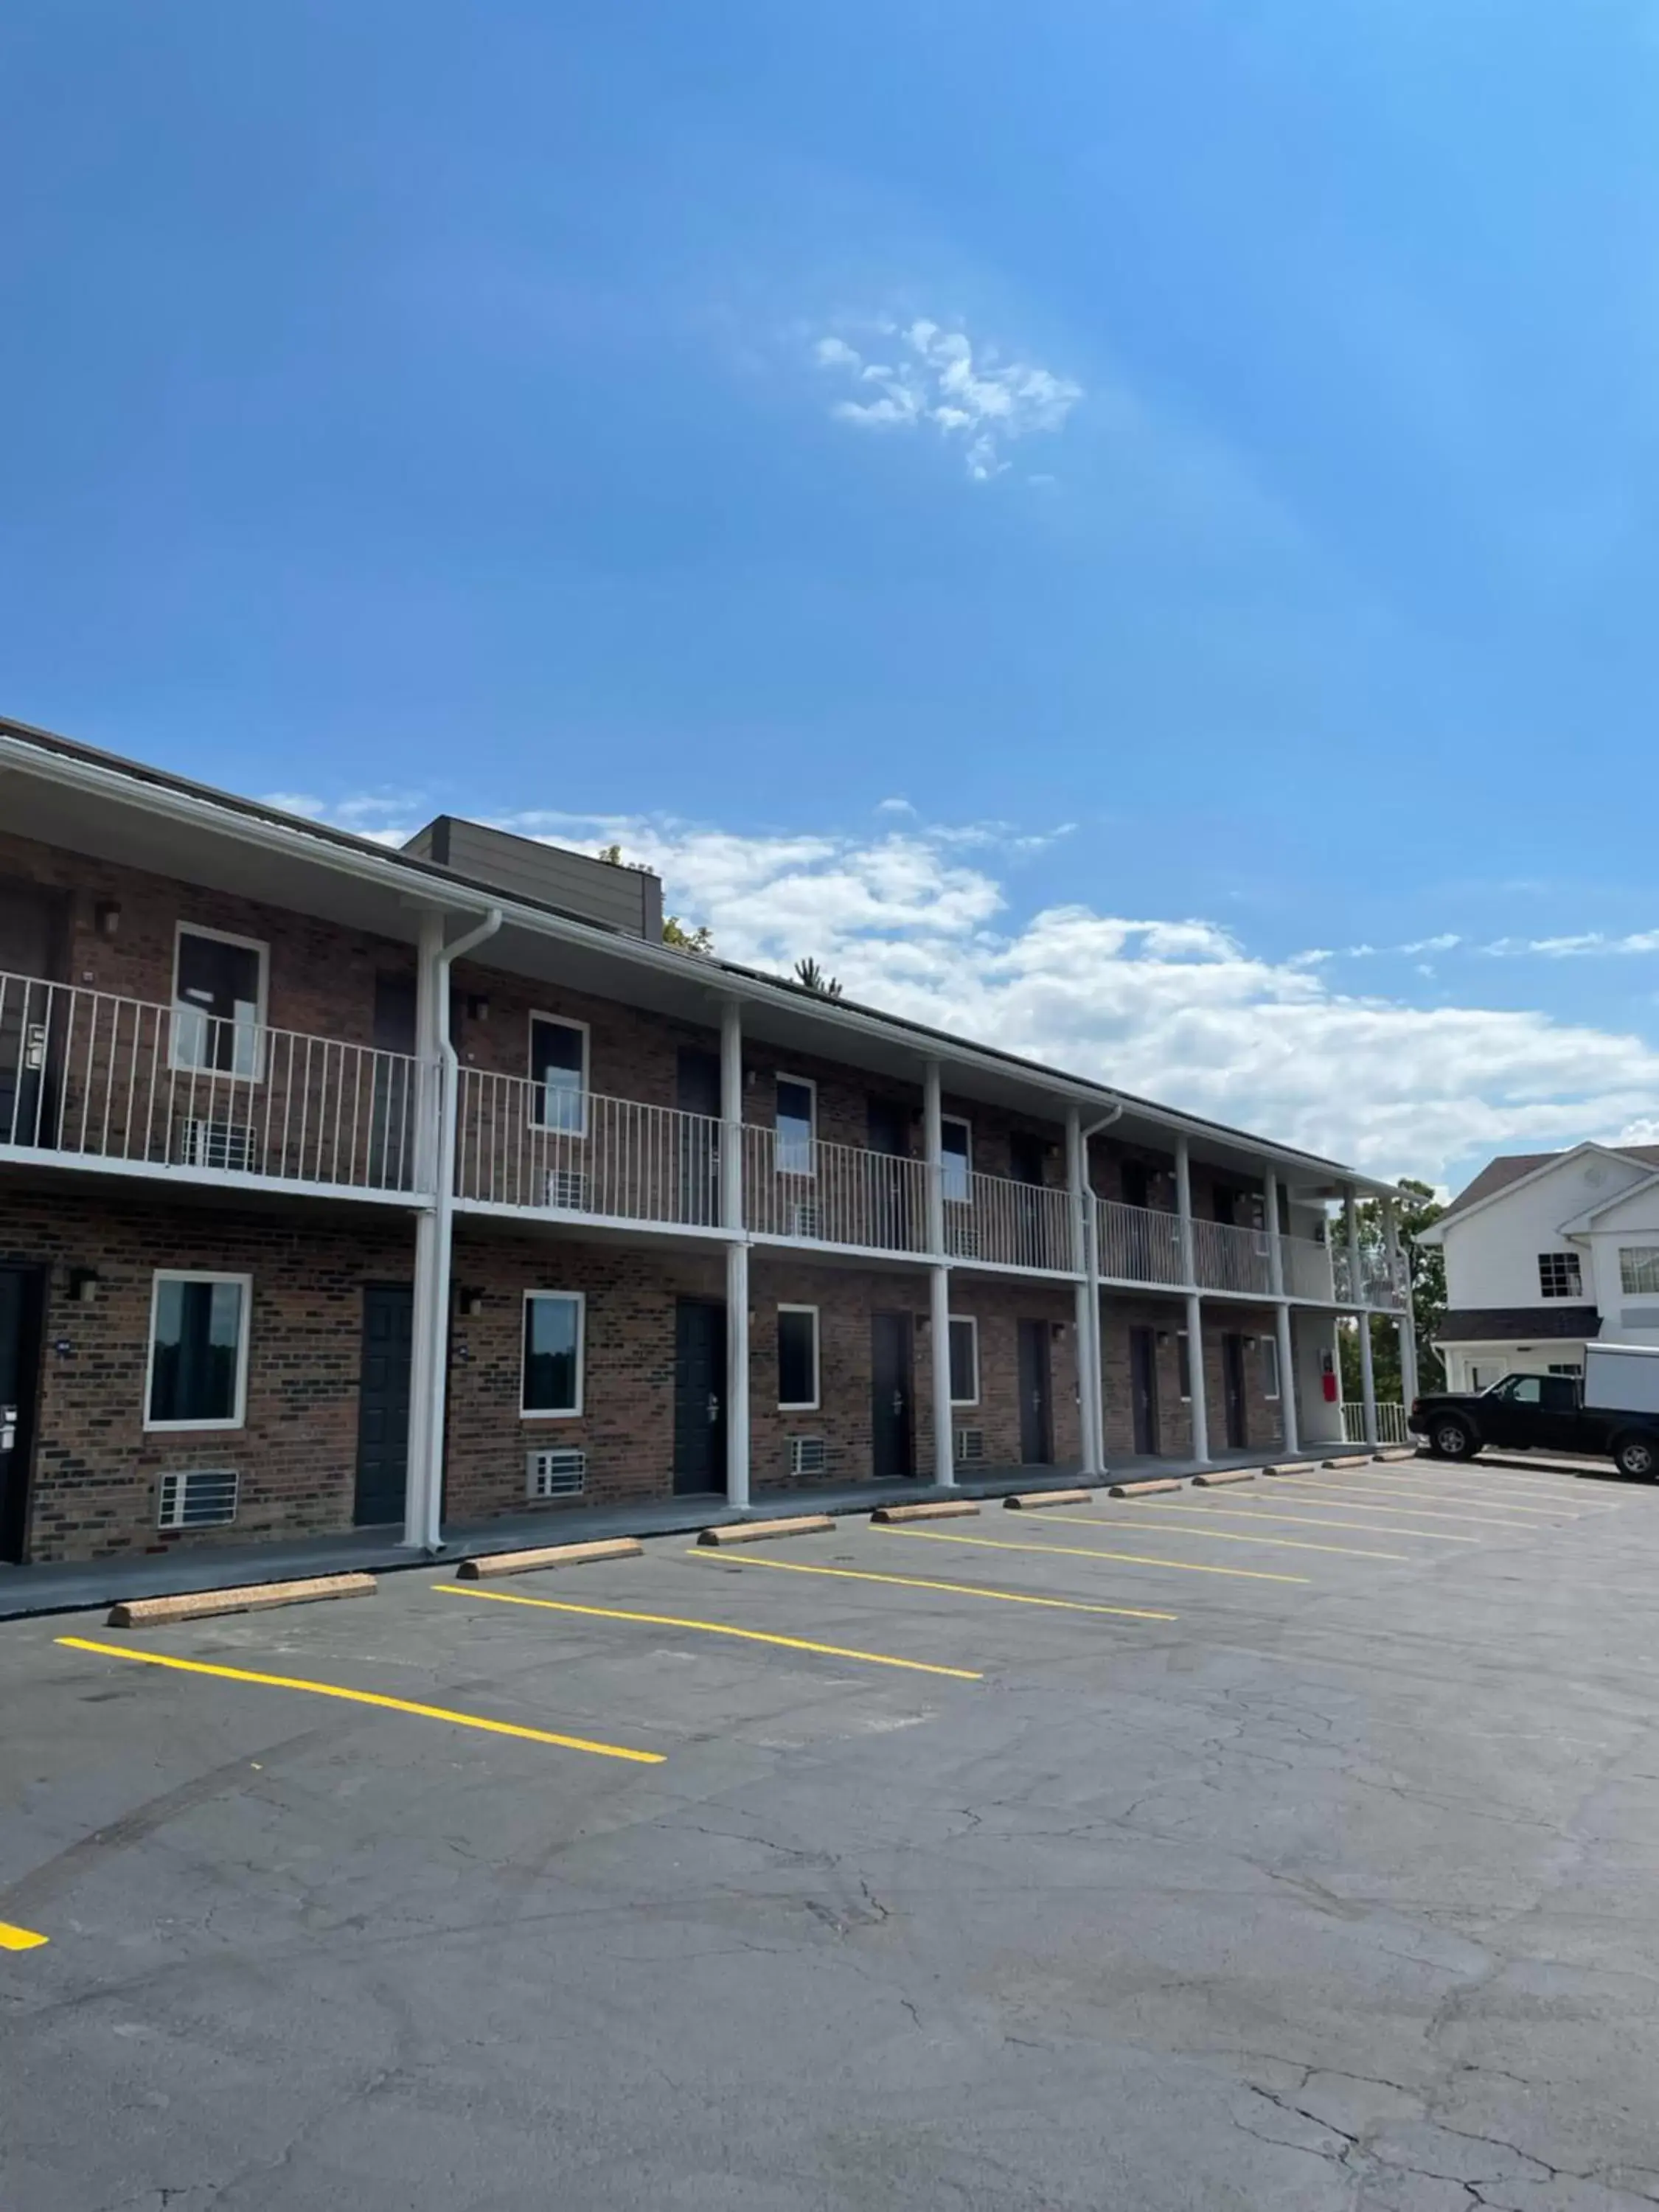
939,1276
737,1255
1197,1400
429,1334
1356,1292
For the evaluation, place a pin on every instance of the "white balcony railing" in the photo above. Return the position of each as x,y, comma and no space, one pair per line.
1139,1244
89,1076
521,1144
1229,1259
1390,1422
1307,1268
1011,1224
820,1193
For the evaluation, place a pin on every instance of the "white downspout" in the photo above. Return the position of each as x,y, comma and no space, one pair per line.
430,1350
1091,1378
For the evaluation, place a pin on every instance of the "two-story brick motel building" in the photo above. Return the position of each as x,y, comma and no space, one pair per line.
345,1186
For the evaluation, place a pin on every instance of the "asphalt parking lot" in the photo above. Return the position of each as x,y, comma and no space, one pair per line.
1290,1845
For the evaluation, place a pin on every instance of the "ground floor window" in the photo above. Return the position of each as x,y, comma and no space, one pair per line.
964,1360
1269,1367
1184,1364
798,1359
198,1331
553,1334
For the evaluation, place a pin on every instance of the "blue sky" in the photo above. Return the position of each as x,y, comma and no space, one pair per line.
1085,515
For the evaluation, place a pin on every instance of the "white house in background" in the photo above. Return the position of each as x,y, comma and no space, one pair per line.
1545,1252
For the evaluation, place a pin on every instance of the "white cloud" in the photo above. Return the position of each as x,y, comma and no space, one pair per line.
918,921
934,377
1586,945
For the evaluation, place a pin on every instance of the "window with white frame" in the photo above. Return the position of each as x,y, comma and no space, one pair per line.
956,1158
1184,1364
1269,1348
558,1068
798,1359
1639,1270
1560,1275
964,1360
218,1003
554,1327
198,1336
797,1125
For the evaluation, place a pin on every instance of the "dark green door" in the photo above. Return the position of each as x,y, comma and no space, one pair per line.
383,1404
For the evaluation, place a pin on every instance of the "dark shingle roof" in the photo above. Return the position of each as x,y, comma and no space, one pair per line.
1514,1324
1510,1167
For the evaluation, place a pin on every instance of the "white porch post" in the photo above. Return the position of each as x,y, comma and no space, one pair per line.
425,1333
1287,1417
1086,1302
1356,1288
737,1255
429,1351
1407,1325
1198,1400
938,1278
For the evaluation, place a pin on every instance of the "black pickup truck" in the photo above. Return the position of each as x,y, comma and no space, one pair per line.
1536,1412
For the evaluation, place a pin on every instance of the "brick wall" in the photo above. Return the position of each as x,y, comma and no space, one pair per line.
321,977
627,1423
96,1470
1167,1319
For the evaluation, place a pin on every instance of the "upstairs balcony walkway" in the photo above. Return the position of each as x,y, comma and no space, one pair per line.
577,1154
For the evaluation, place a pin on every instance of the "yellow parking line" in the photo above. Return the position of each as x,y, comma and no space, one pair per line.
1091,1551
918,1582
366,1698
711,1628
1471,1497
18,1939
1230,1536
1425,1512
1264,1511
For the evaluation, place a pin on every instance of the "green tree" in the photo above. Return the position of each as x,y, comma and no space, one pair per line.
808,972
1415,1209
674,931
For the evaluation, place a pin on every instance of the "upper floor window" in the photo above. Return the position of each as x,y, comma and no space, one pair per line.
956,1158
218,1003
797,1124
1560,1275
1639,1269
558,1068
197,1352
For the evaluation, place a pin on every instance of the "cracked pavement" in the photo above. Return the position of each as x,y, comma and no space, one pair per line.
1339,1896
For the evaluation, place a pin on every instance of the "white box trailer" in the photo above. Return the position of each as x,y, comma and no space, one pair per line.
1621,1378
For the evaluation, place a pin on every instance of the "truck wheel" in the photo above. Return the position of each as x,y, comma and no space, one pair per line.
1451,1439
1637,1457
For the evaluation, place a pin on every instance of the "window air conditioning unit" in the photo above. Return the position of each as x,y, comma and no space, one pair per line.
198,1497
224,1145
804,1218
807,1455
961,1239
970,1446
559,1472
567,1188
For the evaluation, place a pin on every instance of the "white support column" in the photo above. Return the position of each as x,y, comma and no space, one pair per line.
1407,1325
1287,1416
428,1363
938,1278
1184,1209
737,1255
1200,1410
1356,1287
426,1330
1086,1301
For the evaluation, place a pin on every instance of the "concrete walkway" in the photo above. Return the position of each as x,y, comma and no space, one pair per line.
79,1587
